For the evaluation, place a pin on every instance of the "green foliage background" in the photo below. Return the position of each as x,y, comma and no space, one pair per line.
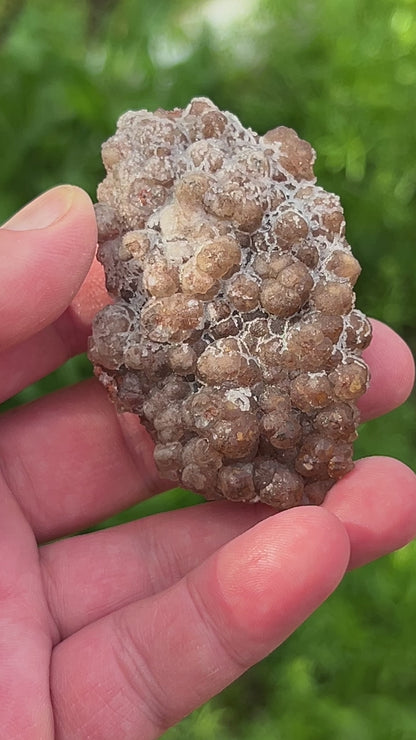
343,73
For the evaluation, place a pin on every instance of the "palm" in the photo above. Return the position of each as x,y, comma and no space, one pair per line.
122,632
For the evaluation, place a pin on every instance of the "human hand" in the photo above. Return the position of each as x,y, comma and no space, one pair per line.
122,632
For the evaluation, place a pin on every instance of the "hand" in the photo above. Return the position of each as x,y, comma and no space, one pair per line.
122,632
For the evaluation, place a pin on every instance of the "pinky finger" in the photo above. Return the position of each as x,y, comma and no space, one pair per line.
141,669
376,503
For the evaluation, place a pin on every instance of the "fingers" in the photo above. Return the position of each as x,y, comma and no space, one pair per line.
70,460
376,503
392,372
89,576
40,354
25,630
154,661
85,581
45,253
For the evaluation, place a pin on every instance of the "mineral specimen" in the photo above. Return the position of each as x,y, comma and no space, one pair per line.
233,332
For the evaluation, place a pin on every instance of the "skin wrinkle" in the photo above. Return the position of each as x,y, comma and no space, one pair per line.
133,665
166,566
163,715
55,574
205,615
50,583
96,711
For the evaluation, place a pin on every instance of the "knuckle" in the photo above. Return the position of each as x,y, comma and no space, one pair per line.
225,641
132,654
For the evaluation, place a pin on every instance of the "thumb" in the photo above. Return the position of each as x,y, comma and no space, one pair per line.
45,253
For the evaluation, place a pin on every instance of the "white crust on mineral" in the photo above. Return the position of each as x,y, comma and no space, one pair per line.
233,333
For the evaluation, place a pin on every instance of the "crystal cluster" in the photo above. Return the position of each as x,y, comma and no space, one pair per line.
233,332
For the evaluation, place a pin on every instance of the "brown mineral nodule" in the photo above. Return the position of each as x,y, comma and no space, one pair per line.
233,333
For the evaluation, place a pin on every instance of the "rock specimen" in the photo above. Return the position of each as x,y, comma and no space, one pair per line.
233,334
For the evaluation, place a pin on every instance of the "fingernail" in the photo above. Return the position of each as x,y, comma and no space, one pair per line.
44,210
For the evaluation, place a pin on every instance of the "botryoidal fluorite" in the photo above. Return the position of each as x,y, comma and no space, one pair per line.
233,333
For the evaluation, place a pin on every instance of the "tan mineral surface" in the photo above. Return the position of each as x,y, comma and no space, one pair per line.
233,333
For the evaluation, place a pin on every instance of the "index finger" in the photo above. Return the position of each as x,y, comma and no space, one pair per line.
45,253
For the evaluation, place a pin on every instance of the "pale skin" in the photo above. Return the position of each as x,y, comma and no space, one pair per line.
123,632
